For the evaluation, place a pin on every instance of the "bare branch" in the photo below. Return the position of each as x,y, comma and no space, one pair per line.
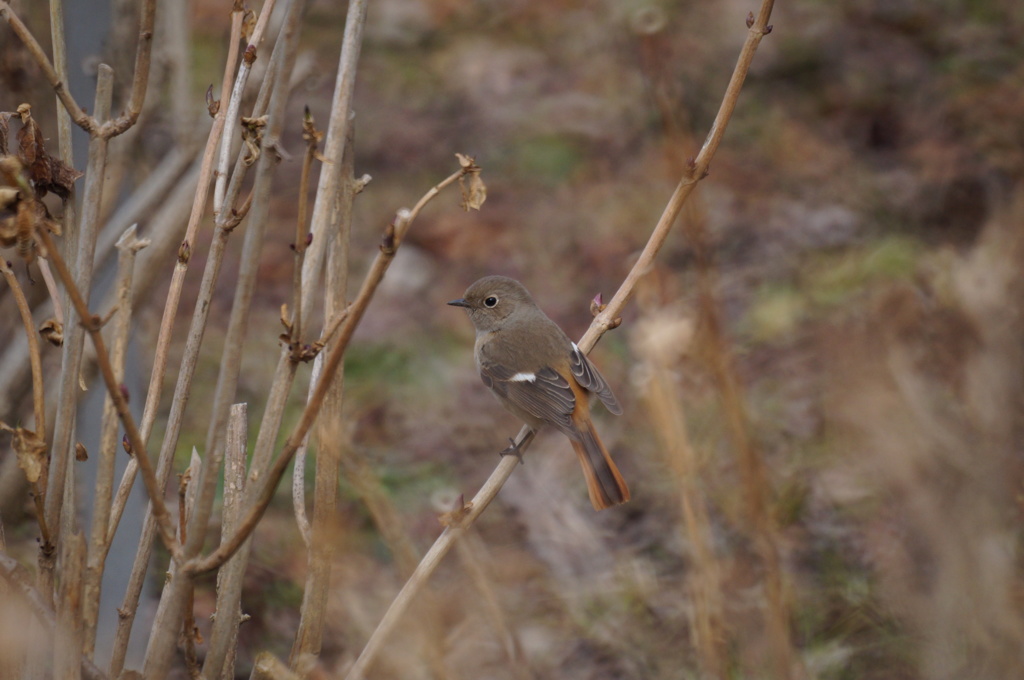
38,387
120,403
329,435
392,239
99,545
81,280
140,77
604,321
235,102
60,64
219,662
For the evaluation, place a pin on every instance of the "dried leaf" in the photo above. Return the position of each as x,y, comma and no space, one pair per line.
248,24
31,451
47,173
252,135
474,191
212,105
52,331
32,147
62,178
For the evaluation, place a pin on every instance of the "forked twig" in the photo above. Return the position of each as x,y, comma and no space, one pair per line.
604,321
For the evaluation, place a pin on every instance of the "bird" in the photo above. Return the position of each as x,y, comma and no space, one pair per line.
542,377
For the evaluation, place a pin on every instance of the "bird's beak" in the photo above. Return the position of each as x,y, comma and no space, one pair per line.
461,302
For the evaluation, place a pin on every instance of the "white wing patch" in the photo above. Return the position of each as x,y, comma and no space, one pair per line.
524,377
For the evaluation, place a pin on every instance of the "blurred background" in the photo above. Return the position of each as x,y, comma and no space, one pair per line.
821,376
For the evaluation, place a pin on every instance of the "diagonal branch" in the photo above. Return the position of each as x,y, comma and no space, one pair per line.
120,403
604,321
393,236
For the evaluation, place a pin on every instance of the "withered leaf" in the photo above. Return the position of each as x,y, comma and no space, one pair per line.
53,331
46,172
248,24
474,191
252,135
30,450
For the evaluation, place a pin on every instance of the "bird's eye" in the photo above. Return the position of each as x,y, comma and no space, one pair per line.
490,301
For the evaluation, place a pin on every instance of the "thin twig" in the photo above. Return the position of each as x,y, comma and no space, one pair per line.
128,246
235,101
605,320
312,137
392,239
329,435
323,221
51,288
38,387
64,145
471,553
161,643
140,76
186,370
34,359
282,61
81,280
120,403
184,254
219,662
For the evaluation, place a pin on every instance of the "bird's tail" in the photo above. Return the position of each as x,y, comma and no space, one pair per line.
604,482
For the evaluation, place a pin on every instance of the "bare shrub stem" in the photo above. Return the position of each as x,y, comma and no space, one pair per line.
392,239
128,246
80,280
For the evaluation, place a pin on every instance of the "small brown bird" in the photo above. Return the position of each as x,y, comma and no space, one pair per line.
542,377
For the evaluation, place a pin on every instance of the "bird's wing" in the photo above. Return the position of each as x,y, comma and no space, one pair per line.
590,379
543,394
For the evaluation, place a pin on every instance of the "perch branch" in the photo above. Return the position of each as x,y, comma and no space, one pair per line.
604,321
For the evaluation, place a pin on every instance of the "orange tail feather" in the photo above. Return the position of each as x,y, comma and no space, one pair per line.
604,482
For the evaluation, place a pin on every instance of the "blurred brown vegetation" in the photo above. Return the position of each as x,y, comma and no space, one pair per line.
861,239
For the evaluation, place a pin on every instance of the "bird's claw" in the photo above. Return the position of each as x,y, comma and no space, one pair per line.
512,450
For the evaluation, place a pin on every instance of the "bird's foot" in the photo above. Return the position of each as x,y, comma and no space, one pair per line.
512,450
